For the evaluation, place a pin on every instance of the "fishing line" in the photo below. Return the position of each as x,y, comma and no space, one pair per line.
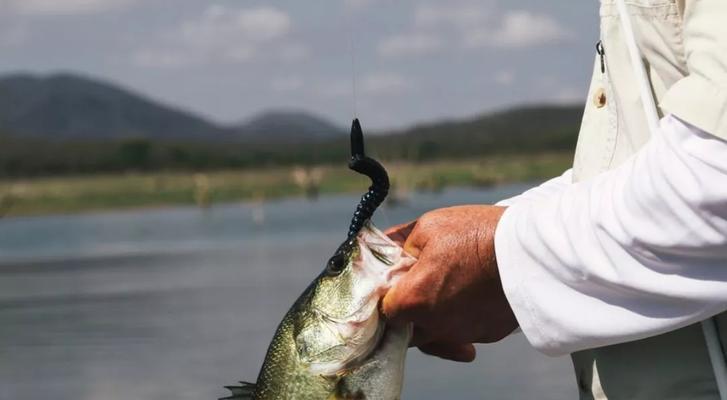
382,211
352,52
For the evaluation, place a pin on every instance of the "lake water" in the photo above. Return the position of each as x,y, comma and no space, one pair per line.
175,303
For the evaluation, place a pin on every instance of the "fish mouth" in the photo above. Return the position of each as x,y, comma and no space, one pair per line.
379,265
382,257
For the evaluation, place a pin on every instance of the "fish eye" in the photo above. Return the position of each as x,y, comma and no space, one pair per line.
336,264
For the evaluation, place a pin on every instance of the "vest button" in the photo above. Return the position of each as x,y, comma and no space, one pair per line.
599,98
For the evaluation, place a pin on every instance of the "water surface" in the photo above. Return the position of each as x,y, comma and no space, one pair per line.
175,303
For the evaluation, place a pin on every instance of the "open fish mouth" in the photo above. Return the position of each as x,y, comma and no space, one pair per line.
378,265
382,257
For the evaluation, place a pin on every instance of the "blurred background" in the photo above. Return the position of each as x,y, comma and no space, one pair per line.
173,173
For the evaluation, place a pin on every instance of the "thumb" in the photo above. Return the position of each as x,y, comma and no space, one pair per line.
399,303
399,233
460,352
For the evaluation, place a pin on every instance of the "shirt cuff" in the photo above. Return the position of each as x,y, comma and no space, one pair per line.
512,266
700,103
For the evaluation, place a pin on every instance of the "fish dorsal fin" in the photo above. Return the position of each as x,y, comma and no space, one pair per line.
243,392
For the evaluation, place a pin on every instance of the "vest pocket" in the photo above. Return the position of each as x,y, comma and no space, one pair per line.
597,136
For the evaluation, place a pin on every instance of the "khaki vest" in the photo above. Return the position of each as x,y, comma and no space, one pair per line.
684,44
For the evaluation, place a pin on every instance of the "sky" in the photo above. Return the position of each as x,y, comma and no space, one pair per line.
411,61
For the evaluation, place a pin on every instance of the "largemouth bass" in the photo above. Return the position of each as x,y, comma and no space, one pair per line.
334,343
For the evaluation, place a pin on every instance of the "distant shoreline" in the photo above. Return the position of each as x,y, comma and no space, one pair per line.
81,194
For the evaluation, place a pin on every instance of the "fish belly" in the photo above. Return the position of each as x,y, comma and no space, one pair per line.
381,377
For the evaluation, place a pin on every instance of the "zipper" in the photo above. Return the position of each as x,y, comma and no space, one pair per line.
601,53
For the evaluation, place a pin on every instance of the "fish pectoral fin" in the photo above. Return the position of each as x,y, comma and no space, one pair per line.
243,392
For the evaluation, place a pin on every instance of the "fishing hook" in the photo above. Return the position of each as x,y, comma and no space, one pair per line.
379,188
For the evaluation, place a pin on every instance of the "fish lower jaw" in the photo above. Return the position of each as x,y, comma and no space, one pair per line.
362,347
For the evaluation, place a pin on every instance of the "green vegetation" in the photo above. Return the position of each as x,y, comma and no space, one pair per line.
114,191
530,130
71,144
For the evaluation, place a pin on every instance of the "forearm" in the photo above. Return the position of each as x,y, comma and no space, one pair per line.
634,252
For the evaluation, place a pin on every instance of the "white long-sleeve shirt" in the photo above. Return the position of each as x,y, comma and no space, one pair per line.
634,252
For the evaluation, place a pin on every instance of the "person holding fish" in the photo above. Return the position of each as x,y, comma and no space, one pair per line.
621,261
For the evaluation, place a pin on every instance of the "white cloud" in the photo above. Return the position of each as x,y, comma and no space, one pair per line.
223,34
410,44
452,15
219,24
61,7
476,25
287,84
519,29
384,83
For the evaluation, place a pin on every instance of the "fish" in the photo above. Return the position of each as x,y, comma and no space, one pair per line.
334,343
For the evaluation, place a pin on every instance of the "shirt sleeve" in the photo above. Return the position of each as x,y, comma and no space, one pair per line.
631,253
542,191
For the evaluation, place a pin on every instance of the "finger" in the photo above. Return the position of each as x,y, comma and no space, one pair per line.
421,337
414,243
401,302
399,233
460,352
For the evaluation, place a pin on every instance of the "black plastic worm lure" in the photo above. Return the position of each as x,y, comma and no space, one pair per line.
379,188
370,201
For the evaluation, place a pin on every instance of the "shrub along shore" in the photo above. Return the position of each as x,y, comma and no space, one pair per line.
75,194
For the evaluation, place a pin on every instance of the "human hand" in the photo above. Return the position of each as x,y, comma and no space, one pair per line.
453,294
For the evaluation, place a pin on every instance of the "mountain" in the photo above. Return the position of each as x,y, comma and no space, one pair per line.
530,128
289,126
66,106
523,130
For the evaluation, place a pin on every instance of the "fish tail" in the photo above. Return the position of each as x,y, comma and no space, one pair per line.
245,391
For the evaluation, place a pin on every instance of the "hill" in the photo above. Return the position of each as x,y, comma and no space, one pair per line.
65,106
523,129
288,126
73,107
66,124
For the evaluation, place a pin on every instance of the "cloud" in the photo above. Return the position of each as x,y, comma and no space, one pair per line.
220,23
519,29
410,44
481,25
452,15
61,7
220,33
